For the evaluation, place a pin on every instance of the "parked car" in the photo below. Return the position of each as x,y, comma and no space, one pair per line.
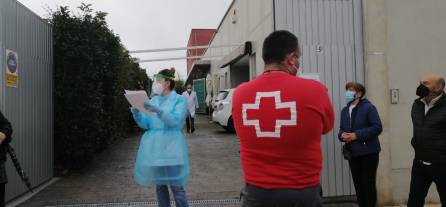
222,114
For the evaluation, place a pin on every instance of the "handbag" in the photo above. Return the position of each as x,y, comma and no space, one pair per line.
347,152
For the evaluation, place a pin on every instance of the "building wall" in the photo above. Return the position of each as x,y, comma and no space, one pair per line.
29,107
404,41
240,74
198,37
254,21
416,46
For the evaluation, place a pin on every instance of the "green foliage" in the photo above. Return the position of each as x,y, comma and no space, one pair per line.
91,70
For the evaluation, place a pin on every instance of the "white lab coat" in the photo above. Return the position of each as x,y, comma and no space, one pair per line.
192,102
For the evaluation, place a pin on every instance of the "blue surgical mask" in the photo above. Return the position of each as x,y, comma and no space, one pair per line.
350,96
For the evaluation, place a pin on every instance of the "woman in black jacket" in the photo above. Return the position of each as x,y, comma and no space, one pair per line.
5,137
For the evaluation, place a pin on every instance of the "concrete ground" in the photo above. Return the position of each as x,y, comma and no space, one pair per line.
216,176
215,173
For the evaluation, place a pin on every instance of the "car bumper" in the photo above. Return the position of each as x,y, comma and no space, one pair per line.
220,118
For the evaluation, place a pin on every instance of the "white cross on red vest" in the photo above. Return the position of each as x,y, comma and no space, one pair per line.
276,105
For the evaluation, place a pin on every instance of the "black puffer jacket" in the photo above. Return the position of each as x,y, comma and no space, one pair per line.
429,131
5,128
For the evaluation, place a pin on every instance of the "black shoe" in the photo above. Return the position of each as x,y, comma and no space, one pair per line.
192,131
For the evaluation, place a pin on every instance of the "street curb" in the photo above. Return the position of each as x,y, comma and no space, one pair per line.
28,195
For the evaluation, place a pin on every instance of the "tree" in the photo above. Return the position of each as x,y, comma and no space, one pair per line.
91,70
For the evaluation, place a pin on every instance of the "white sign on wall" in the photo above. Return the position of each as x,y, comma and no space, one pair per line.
12,68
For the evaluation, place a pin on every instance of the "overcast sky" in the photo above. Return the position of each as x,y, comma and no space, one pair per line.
150,24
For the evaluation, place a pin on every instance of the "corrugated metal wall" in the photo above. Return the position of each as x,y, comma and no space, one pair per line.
330,34
30,106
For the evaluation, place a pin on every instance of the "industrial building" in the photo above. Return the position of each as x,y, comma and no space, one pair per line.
386,44
26,93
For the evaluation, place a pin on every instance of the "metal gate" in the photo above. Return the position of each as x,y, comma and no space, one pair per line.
330,36
29,106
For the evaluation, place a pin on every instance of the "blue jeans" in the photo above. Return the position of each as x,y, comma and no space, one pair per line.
179,195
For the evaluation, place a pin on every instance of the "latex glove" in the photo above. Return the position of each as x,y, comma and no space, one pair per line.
134,110
151,107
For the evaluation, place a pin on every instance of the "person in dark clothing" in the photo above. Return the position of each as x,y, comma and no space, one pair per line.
359,129
429,141
5,137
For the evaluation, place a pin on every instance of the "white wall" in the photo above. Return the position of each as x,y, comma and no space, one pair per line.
416,35
404,40
254,23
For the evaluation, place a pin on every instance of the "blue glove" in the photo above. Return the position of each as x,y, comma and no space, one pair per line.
151,107
135,113
134,110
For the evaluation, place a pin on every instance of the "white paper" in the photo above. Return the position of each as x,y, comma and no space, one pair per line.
137,99
311,76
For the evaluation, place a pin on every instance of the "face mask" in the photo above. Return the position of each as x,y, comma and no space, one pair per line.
422,91
157,88
350,96
189,90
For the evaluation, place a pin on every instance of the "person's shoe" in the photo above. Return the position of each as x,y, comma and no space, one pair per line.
192,130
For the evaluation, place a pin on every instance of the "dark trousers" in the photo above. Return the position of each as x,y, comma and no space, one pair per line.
254,196
2,194
190,124
363,170
422,177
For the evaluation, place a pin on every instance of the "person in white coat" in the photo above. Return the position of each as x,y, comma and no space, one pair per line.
192,105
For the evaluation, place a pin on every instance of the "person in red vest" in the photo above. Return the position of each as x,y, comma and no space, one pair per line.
279,119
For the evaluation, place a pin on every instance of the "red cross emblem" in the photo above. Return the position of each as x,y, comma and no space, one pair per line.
282,113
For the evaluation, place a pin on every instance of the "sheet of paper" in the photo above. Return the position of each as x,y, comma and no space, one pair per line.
137,99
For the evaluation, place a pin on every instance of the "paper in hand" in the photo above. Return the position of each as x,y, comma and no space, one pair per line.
137,99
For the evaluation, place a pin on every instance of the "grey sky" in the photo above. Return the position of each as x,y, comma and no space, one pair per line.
150,24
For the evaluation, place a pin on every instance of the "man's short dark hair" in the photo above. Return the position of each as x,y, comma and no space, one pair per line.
279,44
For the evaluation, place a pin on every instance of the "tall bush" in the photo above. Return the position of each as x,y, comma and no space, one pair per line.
91,70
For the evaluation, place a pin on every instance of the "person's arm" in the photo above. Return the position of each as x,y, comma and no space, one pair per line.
375,128
141,119
341,128
196,101
174,118
5,130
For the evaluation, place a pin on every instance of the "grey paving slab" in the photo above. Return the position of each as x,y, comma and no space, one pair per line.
215,173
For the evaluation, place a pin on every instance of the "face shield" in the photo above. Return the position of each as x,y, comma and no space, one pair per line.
158,84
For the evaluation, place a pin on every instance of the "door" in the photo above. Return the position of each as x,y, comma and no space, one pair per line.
330,37
200,89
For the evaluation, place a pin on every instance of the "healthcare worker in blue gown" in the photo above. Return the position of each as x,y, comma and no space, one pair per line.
162,158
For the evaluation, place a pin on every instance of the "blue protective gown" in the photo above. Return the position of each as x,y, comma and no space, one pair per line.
162,157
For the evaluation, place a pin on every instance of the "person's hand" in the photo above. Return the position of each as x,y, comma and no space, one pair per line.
344,136
349,137
151,107
2,137
134,110
353,137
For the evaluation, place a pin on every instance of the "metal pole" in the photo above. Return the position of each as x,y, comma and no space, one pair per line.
177,58
181,48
